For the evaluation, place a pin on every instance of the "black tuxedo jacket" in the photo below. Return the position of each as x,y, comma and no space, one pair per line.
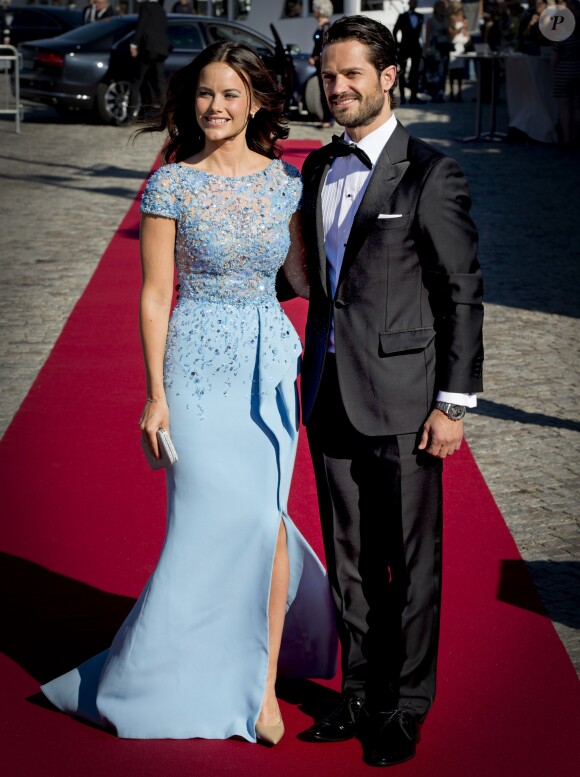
408,308
410,43
151,36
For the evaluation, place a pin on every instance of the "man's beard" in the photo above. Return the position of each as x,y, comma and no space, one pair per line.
362,113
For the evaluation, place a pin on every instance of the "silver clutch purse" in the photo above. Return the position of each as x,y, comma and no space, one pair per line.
168,454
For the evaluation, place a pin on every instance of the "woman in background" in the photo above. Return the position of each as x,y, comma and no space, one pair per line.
438,46
461,40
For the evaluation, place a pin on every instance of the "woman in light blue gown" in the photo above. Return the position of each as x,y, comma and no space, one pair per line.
237,595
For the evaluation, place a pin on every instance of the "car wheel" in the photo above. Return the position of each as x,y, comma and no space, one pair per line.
313,98
114,102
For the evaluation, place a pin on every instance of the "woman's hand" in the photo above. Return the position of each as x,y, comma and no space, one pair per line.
155,416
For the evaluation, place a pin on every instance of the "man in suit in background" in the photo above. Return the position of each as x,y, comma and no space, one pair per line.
408,31
393,357
150,46
89,12
103,10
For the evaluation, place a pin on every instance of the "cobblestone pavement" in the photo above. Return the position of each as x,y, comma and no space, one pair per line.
66,187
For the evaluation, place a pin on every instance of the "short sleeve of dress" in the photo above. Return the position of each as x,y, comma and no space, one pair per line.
294,186
161,195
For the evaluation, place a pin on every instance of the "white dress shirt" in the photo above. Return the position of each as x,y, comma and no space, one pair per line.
343,190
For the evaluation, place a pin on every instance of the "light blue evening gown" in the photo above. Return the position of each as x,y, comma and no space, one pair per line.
191,658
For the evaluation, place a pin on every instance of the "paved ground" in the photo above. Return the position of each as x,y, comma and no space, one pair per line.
66,187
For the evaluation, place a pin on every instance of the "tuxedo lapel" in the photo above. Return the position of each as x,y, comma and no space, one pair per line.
390,168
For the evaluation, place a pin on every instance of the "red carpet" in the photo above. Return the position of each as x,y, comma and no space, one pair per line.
83,519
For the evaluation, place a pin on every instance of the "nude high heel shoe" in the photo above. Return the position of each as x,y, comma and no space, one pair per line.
271,735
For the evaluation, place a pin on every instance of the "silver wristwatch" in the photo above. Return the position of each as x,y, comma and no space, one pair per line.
454,412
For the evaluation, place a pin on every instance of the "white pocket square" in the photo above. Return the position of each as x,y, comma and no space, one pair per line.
390,215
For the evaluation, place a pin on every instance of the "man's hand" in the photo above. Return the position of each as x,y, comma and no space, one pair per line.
441,436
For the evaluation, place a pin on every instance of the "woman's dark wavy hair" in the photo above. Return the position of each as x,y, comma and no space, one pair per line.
382,47
177,116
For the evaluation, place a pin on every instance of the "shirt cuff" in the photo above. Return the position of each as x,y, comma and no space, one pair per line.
467,400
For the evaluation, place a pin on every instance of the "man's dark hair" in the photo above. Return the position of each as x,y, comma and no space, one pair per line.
382,48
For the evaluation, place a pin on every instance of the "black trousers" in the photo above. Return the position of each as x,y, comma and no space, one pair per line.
381,512
149,83
412,82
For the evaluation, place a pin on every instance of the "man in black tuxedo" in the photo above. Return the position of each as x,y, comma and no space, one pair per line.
393,357
408,30
150,46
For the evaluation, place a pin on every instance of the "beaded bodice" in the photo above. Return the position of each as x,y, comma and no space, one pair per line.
232,234
232,237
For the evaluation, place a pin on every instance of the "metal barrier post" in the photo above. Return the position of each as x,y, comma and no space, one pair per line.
10,54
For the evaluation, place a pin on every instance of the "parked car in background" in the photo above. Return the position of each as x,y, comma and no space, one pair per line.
33,23
306,98
90,68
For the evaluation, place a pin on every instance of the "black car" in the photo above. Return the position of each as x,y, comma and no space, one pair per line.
26,24
90,68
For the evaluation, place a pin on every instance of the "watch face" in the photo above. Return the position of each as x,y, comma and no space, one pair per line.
456,412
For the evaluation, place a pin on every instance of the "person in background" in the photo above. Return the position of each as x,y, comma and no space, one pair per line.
490,29
566,74
393,356
461,40
104,10
292,9
473,11
437,48
184,6
516,11
506,29
4,29
322,10
89,12
150,47
408,31
530,35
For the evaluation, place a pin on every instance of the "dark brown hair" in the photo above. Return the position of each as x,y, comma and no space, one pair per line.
177,116
381,46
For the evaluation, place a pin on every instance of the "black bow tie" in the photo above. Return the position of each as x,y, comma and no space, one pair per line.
341,148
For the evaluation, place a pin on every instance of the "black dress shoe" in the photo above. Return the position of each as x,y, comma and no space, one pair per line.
391,738
339,725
